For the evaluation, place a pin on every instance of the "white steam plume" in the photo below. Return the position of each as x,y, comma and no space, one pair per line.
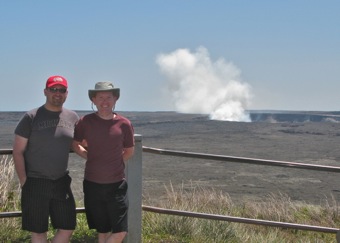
198,85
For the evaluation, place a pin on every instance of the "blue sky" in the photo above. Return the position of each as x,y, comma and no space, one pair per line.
286,52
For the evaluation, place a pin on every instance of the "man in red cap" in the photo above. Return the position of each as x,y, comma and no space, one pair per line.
42,143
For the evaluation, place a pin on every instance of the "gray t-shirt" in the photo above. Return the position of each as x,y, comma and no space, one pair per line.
49,135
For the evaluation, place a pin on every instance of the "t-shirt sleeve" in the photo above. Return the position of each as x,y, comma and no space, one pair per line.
24,126
129,140
78,131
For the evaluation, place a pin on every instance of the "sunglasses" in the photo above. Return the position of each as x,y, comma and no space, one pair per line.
55,90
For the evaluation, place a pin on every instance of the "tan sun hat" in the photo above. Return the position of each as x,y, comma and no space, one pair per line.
104,86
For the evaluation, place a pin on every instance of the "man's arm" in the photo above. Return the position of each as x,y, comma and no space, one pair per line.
19,147
128,153
79,148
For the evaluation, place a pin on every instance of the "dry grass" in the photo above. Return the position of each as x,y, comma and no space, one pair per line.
9,199
9,187
279,207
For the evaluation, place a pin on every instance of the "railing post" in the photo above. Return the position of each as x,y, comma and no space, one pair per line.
134,179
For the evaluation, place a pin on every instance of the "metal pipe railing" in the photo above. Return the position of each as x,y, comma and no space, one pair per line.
242,160
6,151
17,214
241,220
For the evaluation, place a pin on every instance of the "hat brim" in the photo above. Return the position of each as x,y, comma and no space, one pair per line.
115,92
51,85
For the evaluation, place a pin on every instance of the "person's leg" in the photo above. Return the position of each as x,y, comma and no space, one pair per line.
62,236
102,237
116,237
117,206
111,237
95,207
118,211
63,210
106,210
39,237
35,208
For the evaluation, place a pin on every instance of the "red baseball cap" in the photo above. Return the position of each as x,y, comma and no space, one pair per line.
54,80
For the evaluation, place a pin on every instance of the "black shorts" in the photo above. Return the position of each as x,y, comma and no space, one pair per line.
44,198
106,206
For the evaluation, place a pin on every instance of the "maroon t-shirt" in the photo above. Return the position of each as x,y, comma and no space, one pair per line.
105,142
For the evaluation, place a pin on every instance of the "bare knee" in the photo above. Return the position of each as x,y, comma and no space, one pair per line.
39,237
117,237
62,236
112,237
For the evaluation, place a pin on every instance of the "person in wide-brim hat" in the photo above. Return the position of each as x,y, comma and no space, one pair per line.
103,87
106,140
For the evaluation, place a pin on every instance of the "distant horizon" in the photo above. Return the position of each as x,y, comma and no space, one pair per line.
267,116
170,111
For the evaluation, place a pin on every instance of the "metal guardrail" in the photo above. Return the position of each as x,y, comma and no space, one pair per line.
240,220
6,151
242,160
248,161
17,214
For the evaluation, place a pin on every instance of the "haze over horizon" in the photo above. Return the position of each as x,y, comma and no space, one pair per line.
254,55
